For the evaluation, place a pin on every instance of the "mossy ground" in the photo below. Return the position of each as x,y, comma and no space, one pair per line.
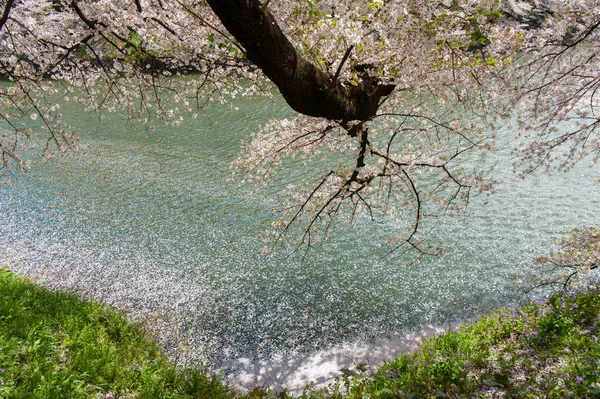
53,345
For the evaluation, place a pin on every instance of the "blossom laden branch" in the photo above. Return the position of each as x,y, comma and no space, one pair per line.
577,255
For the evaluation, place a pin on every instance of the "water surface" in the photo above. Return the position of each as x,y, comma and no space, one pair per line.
150,222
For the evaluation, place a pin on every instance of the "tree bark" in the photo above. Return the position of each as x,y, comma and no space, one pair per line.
306,88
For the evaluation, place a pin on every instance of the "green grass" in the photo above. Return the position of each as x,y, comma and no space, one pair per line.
53,345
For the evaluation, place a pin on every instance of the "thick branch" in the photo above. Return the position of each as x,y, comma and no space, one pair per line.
306,88
6,12
91,24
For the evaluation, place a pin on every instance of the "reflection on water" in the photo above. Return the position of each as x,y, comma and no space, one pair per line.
151,223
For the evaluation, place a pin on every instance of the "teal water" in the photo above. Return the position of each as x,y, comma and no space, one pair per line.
150,222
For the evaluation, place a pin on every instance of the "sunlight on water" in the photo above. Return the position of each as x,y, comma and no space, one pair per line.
150,223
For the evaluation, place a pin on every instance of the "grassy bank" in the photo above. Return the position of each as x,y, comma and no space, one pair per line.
53,345
547,349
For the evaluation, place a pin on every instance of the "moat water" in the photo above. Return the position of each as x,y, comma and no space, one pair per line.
150,222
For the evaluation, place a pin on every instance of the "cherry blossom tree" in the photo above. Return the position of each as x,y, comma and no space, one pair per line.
391,96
